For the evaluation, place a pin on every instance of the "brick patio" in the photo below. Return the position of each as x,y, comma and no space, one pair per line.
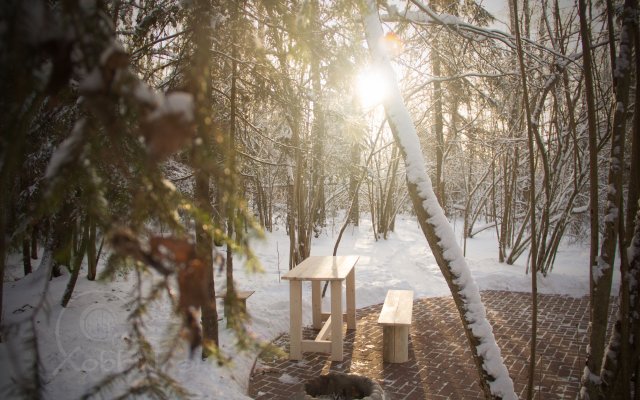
440,364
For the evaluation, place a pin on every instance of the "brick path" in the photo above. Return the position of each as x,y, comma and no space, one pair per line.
440,364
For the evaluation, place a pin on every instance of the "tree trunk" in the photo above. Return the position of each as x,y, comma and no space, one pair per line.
602,272
26,255
301,218
318,131
231,300
510,200
63,239
439,125
204,251
387,213
634,293
291,224
634,177
200,83
494,382
375,225
34,241
495,206
354,210
532,215
298,212
593,135
15,127
467,208
77,263
260,202
3,254
92,260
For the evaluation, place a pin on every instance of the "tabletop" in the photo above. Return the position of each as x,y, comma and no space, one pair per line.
322,268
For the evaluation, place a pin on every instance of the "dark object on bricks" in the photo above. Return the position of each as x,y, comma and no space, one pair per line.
336,385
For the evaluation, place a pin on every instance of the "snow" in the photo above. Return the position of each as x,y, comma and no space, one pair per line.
176,103
114,48
597,270
580,210
63,153
588,375
612,215
92,82
84,342
146,95
288,379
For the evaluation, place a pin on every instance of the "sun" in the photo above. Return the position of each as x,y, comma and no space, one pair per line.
372,87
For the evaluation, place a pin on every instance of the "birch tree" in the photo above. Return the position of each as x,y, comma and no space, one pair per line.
599,375
494,378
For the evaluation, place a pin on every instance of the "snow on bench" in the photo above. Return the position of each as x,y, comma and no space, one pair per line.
395,318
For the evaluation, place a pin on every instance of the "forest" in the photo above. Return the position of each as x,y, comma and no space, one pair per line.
155,141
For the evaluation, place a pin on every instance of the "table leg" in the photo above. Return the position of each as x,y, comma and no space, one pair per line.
351,299
336,321
316,304
295,310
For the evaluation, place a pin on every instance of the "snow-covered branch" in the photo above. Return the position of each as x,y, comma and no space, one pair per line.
426,16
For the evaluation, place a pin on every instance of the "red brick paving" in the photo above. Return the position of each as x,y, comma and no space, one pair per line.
440,364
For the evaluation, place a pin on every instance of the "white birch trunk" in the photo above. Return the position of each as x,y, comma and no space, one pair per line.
494,377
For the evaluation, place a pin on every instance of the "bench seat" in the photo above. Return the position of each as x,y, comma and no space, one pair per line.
395,318
242,296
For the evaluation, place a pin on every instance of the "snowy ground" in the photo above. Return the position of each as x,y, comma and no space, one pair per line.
87,340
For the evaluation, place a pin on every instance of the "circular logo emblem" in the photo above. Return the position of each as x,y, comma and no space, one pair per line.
97,323
87,333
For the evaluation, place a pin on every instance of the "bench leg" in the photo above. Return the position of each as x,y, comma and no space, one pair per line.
242,304
242,307
395,345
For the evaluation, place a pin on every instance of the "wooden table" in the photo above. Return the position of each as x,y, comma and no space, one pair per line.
317,269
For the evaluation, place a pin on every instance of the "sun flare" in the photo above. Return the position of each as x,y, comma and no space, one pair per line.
372,88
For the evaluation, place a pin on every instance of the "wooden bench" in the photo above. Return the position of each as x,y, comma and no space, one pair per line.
395,318
242,296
